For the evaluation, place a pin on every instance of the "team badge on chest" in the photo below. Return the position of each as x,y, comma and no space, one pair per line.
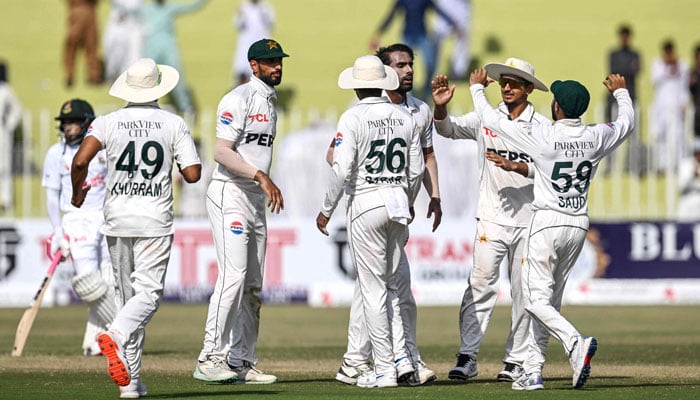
236,227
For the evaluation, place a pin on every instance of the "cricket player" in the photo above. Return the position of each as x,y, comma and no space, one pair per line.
409,365
245,132
566,155
142,143
378,162
503,214
77,230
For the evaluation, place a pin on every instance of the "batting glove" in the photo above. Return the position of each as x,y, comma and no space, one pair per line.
57,241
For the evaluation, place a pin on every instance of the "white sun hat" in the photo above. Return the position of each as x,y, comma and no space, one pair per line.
145,81
517,67
368,72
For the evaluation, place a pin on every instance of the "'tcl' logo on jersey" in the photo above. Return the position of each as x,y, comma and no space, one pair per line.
338,139
226,118
236,227
258,118
489,132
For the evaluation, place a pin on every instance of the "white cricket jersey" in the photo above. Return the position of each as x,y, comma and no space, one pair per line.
247,117
141,142
377,146
57,167
504,197
566,153
423,116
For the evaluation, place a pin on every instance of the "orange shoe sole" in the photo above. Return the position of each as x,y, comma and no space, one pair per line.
117,366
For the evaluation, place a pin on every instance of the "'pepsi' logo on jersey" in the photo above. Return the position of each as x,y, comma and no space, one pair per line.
89,129
236,227
338,139
226,118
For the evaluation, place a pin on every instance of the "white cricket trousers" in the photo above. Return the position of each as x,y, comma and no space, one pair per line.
493,243
239,227
139,265
554,243
403,324
375,247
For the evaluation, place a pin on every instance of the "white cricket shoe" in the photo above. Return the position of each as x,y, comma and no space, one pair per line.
133,390
214,370
404,367
347,374
511,372
580,359
464,369
92,350
529,381
422,375
372,380
248,374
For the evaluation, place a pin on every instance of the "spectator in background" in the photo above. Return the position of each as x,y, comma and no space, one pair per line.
624,61
254,20
123,37
689,184
160,43
669,76
82,32
10,113
695,91
460,12
416,35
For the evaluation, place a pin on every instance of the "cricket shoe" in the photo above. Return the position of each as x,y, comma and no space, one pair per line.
249,375
422,375
349,375
133,390
404,367
92,350
464,369
529,381
117,366
580,359
214,370
372,380
511,372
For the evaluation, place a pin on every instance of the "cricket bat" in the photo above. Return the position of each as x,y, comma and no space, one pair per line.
25,324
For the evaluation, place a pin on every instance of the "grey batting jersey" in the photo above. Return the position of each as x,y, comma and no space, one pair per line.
247,117
377,146
504,197
566,153
141,143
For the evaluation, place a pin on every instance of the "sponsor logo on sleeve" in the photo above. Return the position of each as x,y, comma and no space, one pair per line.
338,139
226,118
236,227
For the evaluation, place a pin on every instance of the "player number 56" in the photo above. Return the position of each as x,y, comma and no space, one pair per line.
394,157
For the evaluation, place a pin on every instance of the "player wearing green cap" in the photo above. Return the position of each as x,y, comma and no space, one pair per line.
566,155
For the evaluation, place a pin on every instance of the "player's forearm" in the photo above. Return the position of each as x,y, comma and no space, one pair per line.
53,208
230,159
430,176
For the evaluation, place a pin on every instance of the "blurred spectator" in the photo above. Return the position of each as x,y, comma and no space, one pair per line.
82,32
160,43
624,61
416,36
695,91
10,113
123,37
460,12
254,20
689,184
669,76
193,195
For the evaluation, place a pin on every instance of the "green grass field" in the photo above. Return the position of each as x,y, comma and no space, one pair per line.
643,353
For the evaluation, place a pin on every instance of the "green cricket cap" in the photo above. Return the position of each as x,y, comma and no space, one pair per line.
265,48
573,97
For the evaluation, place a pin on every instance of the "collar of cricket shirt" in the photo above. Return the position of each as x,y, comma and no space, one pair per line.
263,88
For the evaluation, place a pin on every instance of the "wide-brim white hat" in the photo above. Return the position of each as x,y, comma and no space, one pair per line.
368,72
517,67
145,81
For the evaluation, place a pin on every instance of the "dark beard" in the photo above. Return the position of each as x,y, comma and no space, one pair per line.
271,81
